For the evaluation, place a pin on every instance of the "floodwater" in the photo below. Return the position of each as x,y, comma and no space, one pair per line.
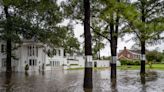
72,81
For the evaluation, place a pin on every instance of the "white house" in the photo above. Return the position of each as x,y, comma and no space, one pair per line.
34,55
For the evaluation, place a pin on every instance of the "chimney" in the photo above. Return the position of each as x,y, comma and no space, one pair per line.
125,48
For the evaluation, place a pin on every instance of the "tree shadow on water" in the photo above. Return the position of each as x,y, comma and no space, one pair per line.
8,84
114,85
143,83
143,79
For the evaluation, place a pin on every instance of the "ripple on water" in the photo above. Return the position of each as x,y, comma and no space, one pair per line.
72,81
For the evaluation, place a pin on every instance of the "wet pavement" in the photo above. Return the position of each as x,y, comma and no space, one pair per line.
72,81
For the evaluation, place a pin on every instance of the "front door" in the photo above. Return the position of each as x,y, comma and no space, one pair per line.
33,65
95,64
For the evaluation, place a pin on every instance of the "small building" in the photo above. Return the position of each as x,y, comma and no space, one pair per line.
75,60
129,54
104,63
101,63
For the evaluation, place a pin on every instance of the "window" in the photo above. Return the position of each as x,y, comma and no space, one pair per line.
32,51
59,52
33,62
2,48
50,63
54,51
57,63
28,52
37,51
30,62
53,63
4,62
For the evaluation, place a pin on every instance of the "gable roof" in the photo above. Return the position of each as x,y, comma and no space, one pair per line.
131,51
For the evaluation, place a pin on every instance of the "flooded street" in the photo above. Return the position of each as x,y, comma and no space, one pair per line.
72,81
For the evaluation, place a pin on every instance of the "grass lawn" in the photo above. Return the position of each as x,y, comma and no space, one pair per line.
127,67
157,66
135,67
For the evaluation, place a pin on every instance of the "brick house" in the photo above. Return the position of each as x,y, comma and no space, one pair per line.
129,54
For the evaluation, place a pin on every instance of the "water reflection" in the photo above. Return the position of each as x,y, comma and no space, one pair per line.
26,74
143,82
43,73
149,76
143,79
143,88
114,87
72,81
8,82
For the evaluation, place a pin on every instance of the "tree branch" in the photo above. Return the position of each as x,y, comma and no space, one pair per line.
100,34
132,27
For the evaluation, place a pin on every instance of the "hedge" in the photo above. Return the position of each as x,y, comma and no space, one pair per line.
130,62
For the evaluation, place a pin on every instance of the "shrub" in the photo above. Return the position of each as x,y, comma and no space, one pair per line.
73,64
26,67
130,62
137,62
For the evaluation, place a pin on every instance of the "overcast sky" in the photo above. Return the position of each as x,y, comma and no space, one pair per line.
78,30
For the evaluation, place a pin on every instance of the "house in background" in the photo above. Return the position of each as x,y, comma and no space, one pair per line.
129,54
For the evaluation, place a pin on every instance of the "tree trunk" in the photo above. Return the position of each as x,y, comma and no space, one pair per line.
8,43
143,58
114,37
8,59
113,45
88,49
114,59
